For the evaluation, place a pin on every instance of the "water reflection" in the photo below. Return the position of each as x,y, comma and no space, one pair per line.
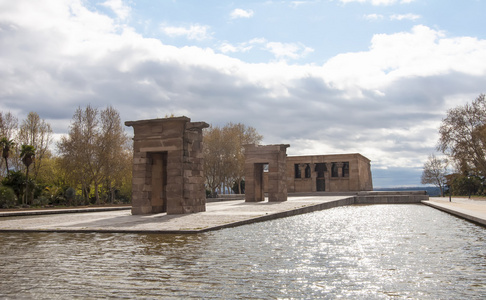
358,252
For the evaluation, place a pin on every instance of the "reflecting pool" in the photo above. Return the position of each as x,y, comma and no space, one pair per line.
354,252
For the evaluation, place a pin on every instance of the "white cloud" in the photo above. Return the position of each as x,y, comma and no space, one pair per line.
229,48
385,102
281,51
288,50
373,17
296,4
193,32
241,13
257,41
379,2
119,8
241,47
394,17
421,52
411,17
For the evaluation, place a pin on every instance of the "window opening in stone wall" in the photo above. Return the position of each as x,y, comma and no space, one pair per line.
334,170
297,171
345,169
320,170
307,171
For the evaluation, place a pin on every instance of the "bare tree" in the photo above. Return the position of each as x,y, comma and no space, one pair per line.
78,154
94,153
115,150
463,135
8,125
213,158
36,132
223,154
435,170
8,131
240,135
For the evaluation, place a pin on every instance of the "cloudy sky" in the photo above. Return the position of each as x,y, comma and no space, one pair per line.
325,76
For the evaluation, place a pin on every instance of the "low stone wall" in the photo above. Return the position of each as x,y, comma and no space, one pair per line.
390,197
371,197
374,197
226,197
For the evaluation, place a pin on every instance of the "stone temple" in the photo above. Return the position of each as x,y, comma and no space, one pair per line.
268,169
168,173
328,173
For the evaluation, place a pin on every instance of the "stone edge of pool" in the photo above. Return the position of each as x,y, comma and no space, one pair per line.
259,212
463,211
457,209
40,212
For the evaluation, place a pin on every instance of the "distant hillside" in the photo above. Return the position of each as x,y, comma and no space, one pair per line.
431,190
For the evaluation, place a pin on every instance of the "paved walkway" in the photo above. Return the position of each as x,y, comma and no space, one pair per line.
217,215
472,210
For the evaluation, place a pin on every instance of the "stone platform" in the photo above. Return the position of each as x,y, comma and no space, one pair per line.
218,215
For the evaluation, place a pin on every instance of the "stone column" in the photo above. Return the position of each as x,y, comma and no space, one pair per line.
302,170
313,177
339,167
327,176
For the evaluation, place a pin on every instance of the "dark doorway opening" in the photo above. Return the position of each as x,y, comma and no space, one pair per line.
321,169
320,184
159,182
259,181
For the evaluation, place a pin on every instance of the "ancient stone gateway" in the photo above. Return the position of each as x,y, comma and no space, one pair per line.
167,166
256,157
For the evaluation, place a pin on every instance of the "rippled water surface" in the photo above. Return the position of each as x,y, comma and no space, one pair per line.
354,252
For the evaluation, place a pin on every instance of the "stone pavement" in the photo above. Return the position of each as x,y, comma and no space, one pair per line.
472,210
217,215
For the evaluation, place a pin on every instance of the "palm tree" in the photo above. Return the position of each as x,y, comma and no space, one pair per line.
27,154
6,146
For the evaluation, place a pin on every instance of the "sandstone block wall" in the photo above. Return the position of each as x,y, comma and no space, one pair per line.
357,178
168,166
256,157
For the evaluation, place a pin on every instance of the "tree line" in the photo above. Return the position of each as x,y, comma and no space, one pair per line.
92,163
462,140
224,161
89,165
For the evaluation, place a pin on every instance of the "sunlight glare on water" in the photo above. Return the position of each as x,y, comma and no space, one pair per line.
353,252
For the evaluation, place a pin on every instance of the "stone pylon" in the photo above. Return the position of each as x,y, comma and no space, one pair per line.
168,166
256,157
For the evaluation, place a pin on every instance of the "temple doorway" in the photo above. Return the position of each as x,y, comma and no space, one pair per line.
320,184
259,181
321,169
159,182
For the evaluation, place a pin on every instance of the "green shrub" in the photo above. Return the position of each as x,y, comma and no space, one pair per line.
7,197
16,181
70,195
41,201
